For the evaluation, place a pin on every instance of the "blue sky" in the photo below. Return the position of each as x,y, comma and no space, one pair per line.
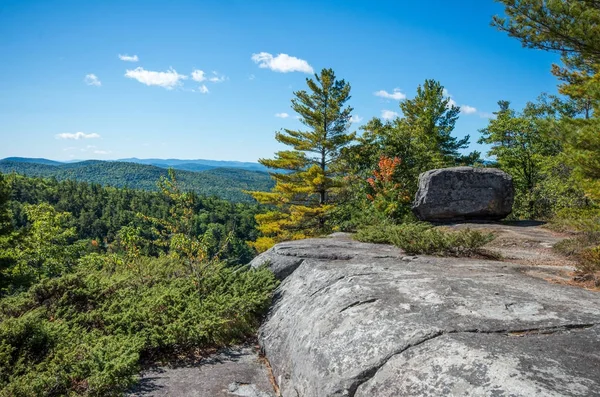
65,92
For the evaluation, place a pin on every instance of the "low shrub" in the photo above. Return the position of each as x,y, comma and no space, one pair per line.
423,238
85,333
584,246
588,265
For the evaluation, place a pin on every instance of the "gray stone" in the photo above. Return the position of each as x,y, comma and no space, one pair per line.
284,258
372,324
463,193
232,372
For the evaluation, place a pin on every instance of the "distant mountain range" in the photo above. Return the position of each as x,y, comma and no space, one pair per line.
197,165
225,179
187,165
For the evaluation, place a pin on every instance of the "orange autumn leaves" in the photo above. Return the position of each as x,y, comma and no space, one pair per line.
387,193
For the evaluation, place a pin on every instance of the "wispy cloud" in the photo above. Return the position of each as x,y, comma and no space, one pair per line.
356,119
466,109
169,79
395,95
77,135
388,114
129,58
102,152
282,115
198,75
282,63
92,79
217,77
203,89
251,77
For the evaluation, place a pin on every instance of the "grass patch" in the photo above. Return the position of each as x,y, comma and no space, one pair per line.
85,333
423,238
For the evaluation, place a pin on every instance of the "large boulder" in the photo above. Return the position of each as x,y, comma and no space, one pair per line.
377,323
463,193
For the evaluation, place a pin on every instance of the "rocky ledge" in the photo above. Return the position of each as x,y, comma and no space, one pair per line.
356,319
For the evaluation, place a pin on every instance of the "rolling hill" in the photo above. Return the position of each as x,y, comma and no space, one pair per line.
227,183
197,165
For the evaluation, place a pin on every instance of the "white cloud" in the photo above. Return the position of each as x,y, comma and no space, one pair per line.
282,115
388,114
217,78
356,119
102,152
396,94
198,75
466,109
282,63
203,89
77,135
92,79
128,58
168,79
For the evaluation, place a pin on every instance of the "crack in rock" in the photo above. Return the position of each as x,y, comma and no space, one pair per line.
358,303
369,373
327,286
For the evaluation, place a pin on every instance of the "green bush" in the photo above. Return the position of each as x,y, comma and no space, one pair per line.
584,246
84,333
423,238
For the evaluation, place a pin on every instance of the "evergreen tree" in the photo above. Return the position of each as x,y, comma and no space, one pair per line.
429,120
421,138
571,27
5,218
305,190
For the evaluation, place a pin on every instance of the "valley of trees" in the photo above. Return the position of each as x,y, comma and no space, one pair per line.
97,277
94,280
225,183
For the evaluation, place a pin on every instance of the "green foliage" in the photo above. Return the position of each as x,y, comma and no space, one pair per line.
390,198
5,217
529,146
566,26
584,247
84,333
225,183
307,191
426,127
98,213
572,28
89,318
421,139
423,238
589,264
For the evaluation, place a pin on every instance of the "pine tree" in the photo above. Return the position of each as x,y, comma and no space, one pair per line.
566,26
571,27
429,120
310,172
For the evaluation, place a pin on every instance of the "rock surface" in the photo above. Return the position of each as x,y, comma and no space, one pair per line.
463,193
357,319
232,372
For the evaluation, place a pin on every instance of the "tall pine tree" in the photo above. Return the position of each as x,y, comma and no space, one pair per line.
572,28
309,173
